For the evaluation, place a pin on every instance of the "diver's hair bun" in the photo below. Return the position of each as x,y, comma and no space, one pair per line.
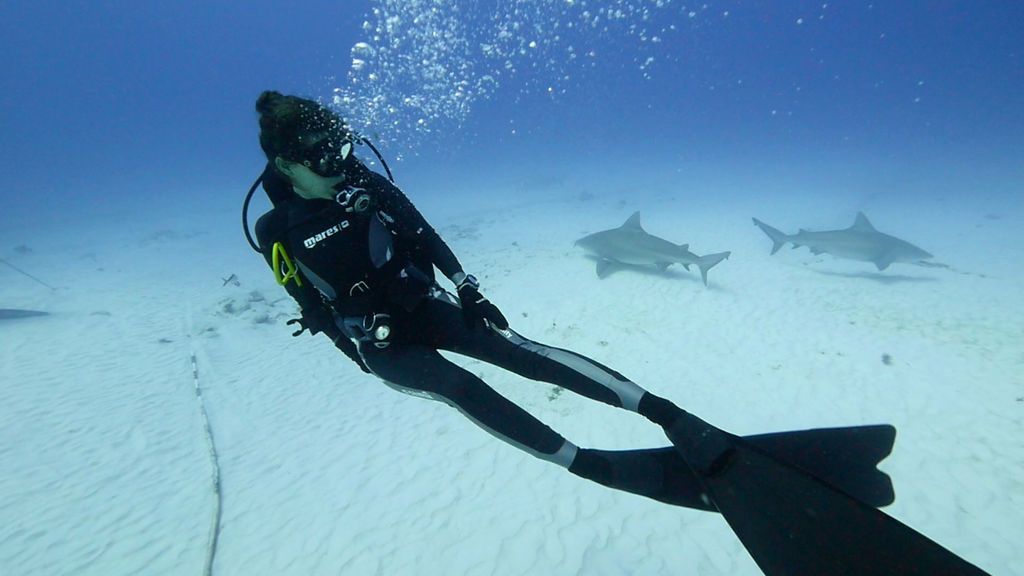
268,101
285,119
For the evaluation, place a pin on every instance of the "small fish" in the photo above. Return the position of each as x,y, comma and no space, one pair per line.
233,280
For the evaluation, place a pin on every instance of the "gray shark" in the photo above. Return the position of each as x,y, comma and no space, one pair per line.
631,244
858,242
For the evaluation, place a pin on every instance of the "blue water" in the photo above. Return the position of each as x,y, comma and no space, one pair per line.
162,96
126,113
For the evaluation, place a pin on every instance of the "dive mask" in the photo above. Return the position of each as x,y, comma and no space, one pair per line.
328,157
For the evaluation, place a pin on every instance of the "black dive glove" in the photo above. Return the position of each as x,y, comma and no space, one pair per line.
477,310
315,322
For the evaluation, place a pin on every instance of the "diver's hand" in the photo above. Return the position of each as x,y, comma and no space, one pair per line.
313,321
477,310
302,326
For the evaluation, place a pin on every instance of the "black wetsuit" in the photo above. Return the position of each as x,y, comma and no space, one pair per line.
354,266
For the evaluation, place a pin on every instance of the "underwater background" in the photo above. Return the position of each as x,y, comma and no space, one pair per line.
897,98
129,139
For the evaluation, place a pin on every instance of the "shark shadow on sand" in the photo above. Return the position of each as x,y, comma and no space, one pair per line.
886,279
15,313
669,273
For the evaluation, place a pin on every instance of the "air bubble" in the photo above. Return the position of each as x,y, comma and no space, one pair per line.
424,65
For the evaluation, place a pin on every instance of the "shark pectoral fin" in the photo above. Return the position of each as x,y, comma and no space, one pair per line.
882,263
605,267
817,251
662,265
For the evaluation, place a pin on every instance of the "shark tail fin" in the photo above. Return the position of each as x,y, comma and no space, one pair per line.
707,262
777,236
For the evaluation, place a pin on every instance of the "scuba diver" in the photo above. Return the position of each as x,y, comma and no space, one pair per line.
349,246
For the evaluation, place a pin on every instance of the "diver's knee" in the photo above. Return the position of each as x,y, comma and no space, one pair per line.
564,456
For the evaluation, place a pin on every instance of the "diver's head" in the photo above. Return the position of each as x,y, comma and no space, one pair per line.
305,142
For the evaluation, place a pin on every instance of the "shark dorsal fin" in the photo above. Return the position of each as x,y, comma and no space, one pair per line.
633,222
862,223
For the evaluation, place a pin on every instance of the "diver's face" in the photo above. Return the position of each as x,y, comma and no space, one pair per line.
307,183
327,154
319,163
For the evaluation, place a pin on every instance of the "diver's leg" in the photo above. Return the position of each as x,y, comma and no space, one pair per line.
657,473
421,371
536,361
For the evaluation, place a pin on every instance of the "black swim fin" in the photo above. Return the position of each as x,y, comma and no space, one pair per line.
793,522
846,457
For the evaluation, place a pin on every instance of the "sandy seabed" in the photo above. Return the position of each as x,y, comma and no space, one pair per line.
324,470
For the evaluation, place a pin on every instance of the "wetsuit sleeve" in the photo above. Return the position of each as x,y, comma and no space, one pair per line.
410,224
315,313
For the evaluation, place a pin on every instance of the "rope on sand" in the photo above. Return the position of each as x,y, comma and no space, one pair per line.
19,270
211,448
